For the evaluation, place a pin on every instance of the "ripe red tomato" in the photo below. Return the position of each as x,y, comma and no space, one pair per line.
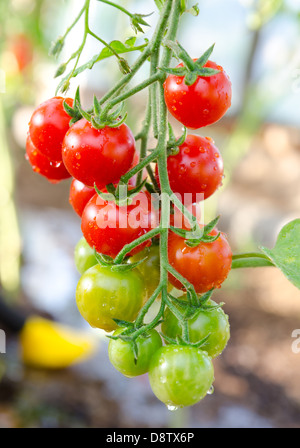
48,126
108,227
53,171
98,156
201,104
196,170
80,195
205,266
22,48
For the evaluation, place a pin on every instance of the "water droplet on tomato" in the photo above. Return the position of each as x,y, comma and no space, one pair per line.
211,390
205,112
172,408
202,150
78,155
193,164
217,155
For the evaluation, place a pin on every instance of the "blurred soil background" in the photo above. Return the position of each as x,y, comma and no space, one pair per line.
257,376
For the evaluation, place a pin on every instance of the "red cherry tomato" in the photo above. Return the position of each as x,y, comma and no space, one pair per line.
196,171
201,104
205,266
21,47
98,156
80,195
53,171
108,227
48,126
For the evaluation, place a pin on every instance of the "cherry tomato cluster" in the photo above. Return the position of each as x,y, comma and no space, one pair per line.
110,296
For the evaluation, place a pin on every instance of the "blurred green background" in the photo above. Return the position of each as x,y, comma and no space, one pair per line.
258,44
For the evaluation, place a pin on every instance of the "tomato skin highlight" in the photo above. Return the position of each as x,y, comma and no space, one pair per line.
98,156
79,196
53,171
201,104
213,322
108,227
48,126
121,354
205,266
84,256
180,375
103,295
196,172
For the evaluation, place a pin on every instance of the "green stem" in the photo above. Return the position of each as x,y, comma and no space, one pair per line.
128,247
250,260
116,6
76,20
148,304
144,138
157,36
136,169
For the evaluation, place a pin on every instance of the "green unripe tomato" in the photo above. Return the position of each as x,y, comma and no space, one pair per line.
84,257
150,268
121,353
103,294
180,375
204,322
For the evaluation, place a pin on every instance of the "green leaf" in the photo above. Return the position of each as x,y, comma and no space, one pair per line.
286,253
117,46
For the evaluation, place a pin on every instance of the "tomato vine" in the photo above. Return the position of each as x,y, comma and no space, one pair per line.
194,258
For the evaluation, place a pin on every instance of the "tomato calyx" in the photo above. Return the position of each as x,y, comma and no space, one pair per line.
192,241
98,116
124,266
173,143
190,69
120,194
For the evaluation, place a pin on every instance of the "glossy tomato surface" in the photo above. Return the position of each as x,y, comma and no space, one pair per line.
212,322
196,172
103,294
53,171
205,266
122,357
48,126
201,104
80,195
84,256
180,375
98,156
108,227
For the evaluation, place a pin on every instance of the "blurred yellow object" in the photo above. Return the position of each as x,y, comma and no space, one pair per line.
47,344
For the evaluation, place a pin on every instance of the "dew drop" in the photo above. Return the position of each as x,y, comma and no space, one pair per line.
211,390
202,150
205,112
174,108
172,408
193,164
78,155
217,155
